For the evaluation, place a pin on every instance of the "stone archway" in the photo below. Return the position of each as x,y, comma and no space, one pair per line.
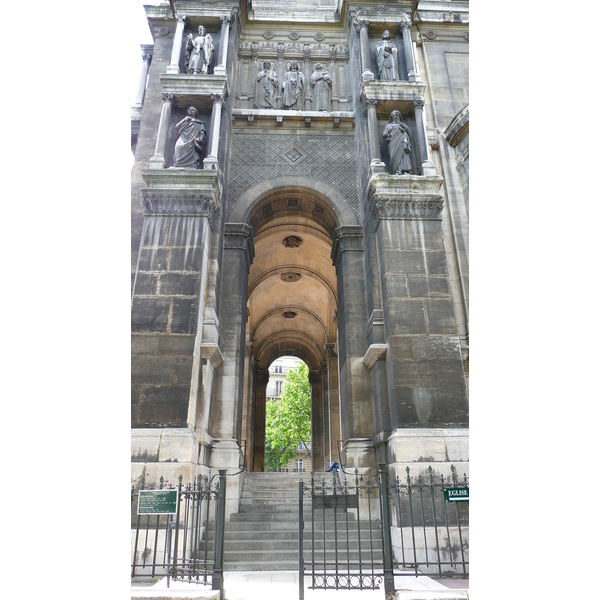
292,264
292,303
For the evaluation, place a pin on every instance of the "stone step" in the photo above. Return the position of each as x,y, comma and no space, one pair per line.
289,515
279,545
258,555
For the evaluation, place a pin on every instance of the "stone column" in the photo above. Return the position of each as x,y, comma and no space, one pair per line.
226,418
248,400
173,67
325,414
377,165
171,368
425,380
316,394
411,68
158,160
212,160
427,166
221,68
356,406
365,48
307,73
335,94
333,403
261,381
141,91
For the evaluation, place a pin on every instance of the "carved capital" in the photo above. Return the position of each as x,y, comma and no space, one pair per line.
238,236
147,57
166,97
226,19
405,22
418,103
360,23
262,375
371,102
329,350
347,237
218,99
180,17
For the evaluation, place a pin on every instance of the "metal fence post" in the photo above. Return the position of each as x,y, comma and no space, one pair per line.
300,541
388,568
217,582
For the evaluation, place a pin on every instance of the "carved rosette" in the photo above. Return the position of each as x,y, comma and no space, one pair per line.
238,236
347,237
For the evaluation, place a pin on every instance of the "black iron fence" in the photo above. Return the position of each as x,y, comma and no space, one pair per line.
170,527
362,530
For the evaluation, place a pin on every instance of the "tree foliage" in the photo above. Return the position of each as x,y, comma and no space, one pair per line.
287,421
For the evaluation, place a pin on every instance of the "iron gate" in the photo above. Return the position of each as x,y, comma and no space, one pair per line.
363,530
176,545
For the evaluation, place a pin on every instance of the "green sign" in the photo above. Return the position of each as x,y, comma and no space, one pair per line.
157,502
456,494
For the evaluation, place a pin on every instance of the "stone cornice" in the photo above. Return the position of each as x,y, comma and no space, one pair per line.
195,90
239,236
211,352
347,237
374,353
392,90
193,192
405,197
197,13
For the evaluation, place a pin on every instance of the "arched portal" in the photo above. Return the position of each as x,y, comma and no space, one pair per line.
291,308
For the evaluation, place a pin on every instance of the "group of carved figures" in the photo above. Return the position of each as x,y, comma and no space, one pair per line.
292,88
191,130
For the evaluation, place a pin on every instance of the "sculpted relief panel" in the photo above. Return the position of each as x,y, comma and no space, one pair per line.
293,76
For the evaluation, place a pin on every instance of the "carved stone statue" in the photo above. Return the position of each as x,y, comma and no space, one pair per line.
199,52
190,143
320,81
293,87
386,55
267,90
397,136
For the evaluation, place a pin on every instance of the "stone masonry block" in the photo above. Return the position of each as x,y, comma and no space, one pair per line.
405,317
440,316
145,284
179,284
184,316
436,263
153,259
427,286
150,314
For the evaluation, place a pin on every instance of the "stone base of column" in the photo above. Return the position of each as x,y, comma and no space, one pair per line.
220,70
358,454
367,75
428,168
420,448
156,162
210,163
165,452
377,166
226,455
413,76
173,70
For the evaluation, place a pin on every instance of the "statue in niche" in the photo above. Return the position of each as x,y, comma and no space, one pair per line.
268,84
320,81
199,52
190,143
293,87
386,55
397,136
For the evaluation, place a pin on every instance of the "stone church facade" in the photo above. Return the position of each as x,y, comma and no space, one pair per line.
314,204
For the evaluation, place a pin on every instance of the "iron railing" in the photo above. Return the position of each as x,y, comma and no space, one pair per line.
177,545
365,530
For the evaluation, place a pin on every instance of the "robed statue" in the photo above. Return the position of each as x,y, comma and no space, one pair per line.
199,52
386,55
320,81
293,87
190,142
397,136
267,87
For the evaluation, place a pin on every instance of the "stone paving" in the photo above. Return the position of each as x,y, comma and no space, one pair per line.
278,585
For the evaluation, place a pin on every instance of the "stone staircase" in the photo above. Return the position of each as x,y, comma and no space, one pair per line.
263,535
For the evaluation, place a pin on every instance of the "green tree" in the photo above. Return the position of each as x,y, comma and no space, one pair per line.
287,421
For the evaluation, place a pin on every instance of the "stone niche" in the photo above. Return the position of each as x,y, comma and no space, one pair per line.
279,53
177,114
